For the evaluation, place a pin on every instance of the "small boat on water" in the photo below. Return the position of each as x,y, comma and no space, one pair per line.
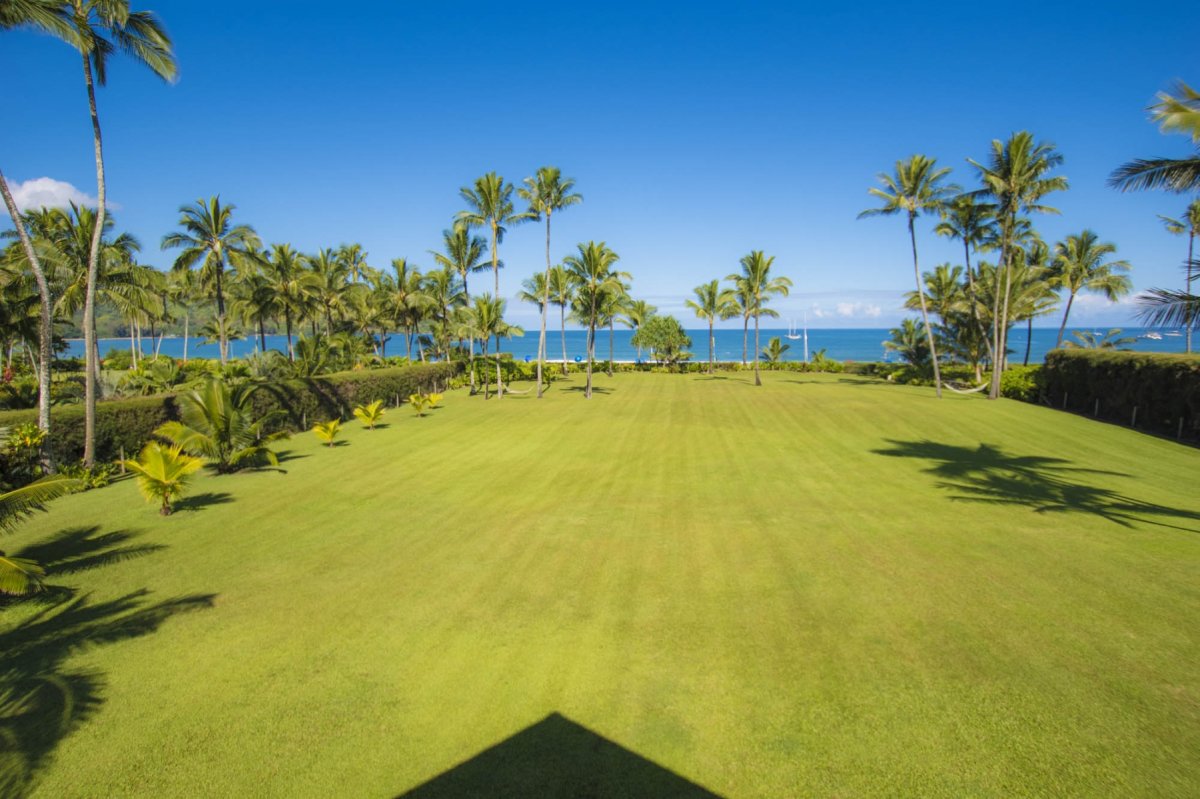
1153,336
1174,333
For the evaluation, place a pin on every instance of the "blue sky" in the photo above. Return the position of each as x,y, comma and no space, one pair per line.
695,132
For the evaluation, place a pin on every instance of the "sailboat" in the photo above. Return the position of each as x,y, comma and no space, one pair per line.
792,334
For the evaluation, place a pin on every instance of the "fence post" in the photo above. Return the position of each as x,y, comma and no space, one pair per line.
1065,395
1133,422
1096,413
1179,434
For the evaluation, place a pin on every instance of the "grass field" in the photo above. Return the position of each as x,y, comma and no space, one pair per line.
824,587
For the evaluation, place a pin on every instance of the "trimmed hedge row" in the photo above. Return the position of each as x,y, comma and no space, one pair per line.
1163,388
126,424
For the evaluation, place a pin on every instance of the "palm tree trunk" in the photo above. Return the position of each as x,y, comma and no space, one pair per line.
712,344
499,378
745,334
133,353
89,301
1187,314
487,384
562,331
974,304
997,322
46,320
1028,340
262,335
591,349
1062,328
287,321
186,314
937,377
611,334
757,350
222,339
545,310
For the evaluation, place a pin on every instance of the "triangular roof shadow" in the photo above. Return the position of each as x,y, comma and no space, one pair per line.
557,757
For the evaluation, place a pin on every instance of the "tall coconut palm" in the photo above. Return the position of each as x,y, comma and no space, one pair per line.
209,236
1034,291
403,299
354,259
487,316
1189,225
592,275
561,293
446,292
756,284
489,204
332,279
45,317
634,314
613,301
915,187
1017,176
97,29
712,303
292,286
546,192
972,222
1081,264
1177,112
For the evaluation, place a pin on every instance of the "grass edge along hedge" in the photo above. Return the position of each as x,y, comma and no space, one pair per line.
1163,388
124,425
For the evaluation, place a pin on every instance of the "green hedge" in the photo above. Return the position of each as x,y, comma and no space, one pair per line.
126,424
1165,388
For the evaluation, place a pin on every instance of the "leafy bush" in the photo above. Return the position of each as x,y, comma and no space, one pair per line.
370,414
163,473
124,426
1022,383
328,431
1165,388
98,476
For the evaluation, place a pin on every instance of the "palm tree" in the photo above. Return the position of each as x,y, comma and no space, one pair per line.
217,423
403,299
291,285
162,473
446,292
209,235
712,303
910,341
181,292
45,316
634,314
97,29
1033,291
20,576
1112,340
561,293
1080,265
775,349
592,276
915,187
546,192
332,279
354,259
489,204
1017,177
1189,225
487,317
756,284
1177,112
973,223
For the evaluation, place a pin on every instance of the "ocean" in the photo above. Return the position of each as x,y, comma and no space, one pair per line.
864,344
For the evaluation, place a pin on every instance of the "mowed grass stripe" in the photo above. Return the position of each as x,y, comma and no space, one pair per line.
730,581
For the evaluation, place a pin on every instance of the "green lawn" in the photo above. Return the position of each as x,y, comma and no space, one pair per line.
824,587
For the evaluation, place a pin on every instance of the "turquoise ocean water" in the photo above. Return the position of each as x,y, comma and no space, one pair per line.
842,344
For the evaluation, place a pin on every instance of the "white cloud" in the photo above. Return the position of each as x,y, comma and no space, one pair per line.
48,193
853,309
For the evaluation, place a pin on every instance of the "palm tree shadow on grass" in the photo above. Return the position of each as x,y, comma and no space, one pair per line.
201,501
558,758
1047,485
596,389
78,549
42,698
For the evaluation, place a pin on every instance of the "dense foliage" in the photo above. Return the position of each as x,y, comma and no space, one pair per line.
1164,388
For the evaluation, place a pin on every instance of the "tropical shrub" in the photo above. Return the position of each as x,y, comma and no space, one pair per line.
370,414
328,431
98,476
1022,383
162,473
218,423
423,402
